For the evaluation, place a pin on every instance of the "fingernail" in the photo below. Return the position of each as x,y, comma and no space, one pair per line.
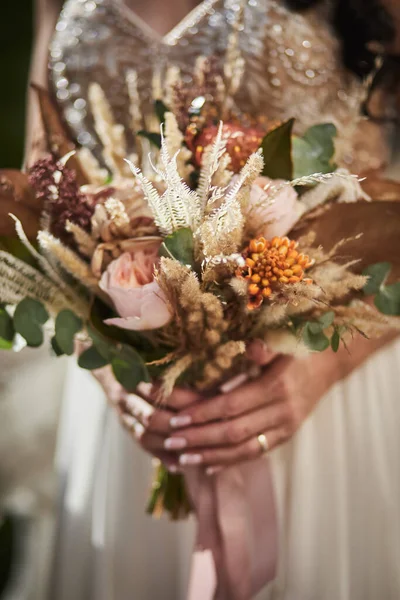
233,383
145,388
134,426
213,470
190,459
180,421
139,408
175,443
173,469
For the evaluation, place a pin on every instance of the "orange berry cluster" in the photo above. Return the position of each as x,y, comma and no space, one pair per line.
271,264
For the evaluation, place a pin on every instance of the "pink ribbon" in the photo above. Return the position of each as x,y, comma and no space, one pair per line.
236,548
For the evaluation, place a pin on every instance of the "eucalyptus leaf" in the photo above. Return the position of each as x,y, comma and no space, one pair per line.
5,344
66,327
314,327
29,318
314,152
128,374
335,341
179,245
103,346
277,151
91,359
377,274
56,348
7,330
327,319
318,342
154,138
387,300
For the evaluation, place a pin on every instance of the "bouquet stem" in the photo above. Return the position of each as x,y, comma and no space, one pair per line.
168,495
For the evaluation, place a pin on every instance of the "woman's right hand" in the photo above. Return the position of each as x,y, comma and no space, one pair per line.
146,419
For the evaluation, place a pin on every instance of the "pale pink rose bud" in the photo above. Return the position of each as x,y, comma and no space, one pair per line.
272,218
137,298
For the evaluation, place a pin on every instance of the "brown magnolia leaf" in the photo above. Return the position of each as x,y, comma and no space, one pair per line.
382,189
378,222
57,138
18,198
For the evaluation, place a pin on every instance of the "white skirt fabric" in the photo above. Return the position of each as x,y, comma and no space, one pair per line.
337,486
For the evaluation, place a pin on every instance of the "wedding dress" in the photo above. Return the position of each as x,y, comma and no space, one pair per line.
337,481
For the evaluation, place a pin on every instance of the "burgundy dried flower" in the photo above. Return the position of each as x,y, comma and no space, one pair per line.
57,186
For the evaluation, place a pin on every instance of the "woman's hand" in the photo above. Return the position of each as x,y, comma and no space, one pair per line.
191,430
224,430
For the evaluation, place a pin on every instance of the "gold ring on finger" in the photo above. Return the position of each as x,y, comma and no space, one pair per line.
263,442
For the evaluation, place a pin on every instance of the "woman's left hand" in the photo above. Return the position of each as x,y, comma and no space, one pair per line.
224,430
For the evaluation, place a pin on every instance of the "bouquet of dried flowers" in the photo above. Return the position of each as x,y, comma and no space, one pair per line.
169,263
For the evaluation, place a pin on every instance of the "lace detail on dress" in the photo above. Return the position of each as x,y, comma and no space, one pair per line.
292,62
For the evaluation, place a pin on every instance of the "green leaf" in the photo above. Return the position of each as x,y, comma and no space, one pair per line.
91,359
103,346
5,344
56,348
315,341
388,300
127,374
327,319
160,110
277,151
335,341
314,152
7,331
179,245
377,274
314,327
154,138
29,318
66,327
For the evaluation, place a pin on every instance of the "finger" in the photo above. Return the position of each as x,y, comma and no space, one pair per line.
225,406
258,352
180,398
232,432
139,408
223,457
151,442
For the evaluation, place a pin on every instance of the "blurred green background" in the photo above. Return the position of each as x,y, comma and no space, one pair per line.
15,47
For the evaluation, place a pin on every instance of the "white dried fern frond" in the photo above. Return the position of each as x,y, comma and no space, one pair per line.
211,162
178,207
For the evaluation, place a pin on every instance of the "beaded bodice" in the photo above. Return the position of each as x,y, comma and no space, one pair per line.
292,63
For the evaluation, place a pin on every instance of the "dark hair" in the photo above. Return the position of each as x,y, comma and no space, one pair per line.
361,24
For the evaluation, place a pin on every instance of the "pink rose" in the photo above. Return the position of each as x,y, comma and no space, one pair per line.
272,218
137,298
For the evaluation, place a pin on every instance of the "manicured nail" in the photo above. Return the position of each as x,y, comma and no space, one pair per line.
213,470
173,469
180,421
233,383
146,389
175,443
139,408
134,426
190,459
